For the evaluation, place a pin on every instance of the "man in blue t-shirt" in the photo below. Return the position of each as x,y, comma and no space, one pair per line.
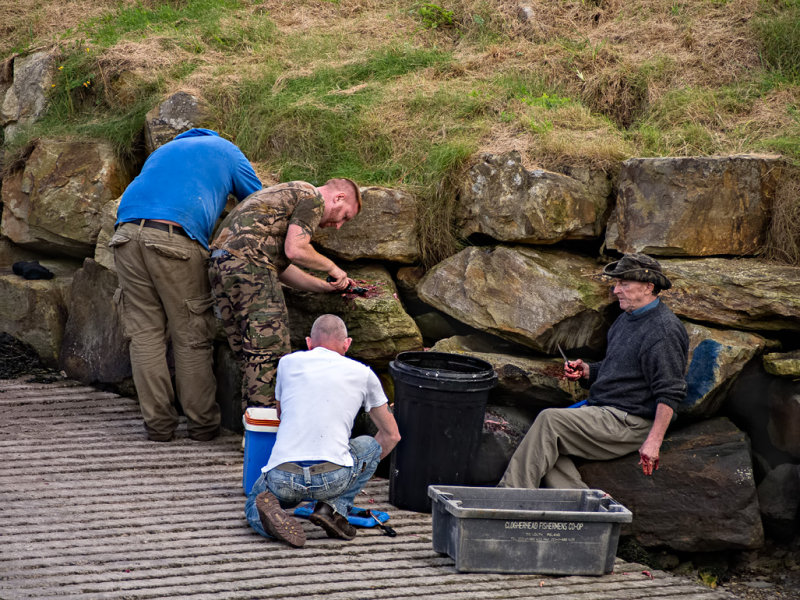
633,392
164,222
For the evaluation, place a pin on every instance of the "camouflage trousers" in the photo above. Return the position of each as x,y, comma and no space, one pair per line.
250,304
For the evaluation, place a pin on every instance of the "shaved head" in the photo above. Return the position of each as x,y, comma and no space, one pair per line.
348,186
327,330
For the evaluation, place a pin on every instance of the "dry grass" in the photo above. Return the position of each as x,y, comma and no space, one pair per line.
581,82
40,22
783,237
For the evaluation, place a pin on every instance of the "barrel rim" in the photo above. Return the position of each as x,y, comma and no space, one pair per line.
487,372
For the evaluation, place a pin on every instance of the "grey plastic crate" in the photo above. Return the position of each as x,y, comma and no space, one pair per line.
510,530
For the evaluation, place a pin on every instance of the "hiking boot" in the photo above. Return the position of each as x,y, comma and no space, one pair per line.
277,523
334,524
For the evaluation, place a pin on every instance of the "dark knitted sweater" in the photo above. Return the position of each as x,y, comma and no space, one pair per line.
645,363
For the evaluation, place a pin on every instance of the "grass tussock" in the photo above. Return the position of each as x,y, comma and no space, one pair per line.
783,237
406,92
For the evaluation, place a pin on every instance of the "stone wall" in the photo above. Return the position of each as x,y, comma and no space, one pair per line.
530,284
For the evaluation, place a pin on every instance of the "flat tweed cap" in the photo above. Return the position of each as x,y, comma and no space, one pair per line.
638,267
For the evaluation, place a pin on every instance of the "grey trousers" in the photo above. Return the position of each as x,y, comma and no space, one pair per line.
166,296
590,432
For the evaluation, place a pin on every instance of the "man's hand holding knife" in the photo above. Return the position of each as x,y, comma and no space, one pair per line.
574,369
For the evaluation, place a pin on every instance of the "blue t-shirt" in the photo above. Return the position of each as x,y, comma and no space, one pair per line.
188,181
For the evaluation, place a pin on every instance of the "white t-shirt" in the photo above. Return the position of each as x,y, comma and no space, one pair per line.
320,392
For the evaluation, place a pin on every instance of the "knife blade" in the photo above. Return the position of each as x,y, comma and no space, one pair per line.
564,356
567,367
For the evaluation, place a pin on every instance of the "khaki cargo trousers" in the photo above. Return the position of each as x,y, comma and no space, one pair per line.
590,432
166,296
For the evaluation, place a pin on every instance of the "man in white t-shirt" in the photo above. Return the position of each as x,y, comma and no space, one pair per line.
319,393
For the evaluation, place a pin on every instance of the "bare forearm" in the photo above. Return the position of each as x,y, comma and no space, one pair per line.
388,435
300,280
660,424
387,443
650,451
306,256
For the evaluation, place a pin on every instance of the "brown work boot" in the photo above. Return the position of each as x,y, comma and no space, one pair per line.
334,524
277,522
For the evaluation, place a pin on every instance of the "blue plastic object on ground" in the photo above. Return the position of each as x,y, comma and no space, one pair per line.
304,510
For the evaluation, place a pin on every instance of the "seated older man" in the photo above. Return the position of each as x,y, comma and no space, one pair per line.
633,392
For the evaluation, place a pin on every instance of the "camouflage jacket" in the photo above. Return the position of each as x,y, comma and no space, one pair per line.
255,229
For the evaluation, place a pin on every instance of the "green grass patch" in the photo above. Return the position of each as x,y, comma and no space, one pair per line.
316,126
687,139
788,141
237,36
168,16
779,31
520,85
80,104
433,16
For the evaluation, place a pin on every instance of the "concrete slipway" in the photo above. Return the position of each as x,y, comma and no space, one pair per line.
90,509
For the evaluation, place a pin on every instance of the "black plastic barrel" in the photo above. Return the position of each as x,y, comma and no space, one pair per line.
439,403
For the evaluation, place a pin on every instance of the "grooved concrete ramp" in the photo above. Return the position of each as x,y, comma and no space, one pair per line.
90,509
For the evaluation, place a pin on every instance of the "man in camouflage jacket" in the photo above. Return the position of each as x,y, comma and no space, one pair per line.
261,244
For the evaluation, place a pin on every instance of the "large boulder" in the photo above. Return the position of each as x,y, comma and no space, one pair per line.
767,408
502,199
716,357
784,421
784,364
746,293
779,499
379,326
94,348
35,311
54,204
434,325
701,499
524,381
6,79
694,206
25,99
407,279
103,255
178,113
532,297
385,229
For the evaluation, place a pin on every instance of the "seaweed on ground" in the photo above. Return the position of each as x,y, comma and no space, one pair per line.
18,358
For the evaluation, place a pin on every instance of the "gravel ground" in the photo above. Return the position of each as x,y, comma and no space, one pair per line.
773,572
769,573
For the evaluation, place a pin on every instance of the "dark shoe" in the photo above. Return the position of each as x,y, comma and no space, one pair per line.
160,438
277,523
334,524
204,436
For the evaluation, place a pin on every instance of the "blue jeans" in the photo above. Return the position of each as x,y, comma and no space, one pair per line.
337,488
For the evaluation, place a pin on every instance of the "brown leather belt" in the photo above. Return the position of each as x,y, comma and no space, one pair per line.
176,229
325,467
